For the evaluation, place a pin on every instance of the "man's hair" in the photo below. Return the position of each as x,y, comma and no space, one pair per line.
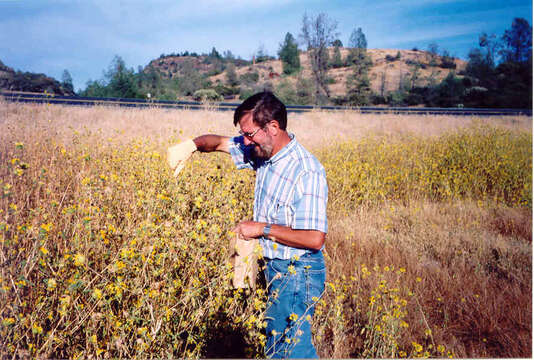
265,107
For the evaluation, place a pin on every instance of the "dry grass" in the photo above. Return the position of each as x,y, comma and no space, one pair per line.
474,281
103,253
314,129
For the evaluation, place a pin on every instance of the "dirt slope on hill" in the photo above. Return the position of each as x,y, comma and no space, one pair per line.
385,74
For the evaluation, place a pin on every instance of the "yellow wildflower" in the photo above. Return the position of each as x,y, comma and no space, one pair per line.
36,329
97,294
46,227
51,284
79,260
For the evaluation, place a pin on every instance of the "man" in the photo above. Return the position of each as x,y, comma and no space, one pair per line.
290,222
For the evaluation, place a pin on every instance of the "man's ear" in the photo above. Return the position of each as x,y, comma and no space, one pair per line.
275,127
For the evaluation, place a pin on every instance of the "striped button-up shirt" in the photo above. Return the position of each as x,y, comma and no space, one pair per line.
291,190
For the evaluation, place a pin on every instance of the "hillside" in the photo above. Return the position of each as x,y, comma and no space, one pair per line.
31,82
385,73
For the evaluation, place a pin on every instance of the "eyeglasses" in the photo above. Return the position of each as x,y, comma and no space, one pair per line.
250,135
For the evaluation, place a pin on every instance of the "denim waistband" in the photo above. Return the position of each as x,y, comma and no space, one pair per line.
310,255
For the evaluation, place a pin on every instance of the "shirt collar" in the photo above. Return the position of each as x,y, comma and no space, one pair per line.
284,151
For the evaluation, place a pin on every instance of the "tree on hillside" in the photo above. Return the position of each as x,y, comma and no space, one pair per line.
480,67
447,61
94,88
414,75
383,83
262,55
304,93
231,75
289,54
228,56
190,81
120,80
358,84
150,81
215,54
491,44
337,43
285,91
357,39
517,42
336,61
66,81
318,33
433,49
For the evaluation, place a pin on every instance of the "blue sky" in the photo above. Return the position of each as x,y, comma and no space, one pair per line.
49,36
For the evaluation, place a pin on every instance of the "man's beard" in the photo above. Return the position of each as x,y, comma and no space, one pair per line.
263,151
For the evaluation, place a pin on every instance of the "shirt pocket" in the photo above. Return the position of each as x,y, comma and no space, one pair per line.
282,214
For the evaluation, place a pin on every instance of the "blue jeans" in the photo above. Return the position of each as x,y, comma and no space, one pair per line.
294,287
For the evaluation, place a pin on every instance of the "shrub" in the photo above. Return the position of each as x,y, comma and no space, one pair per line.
206,95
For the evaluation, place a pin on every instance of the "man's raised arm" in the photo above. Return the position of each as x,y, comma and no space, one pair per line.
178,154
209,143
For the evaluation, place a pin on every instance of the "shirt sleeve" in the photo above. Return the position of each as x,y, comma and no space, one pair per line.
310,200
241,154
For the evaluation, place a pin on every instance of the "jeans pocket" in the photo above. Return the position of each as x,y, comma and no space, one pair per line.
277,275
315,281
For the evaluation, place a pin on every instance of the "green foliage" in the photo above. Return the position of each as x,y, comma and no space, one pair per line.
337,43
190,80
358,49
336,61
121,80
225,91
231,75
150,82
390,58
206,95
286,92
66,82
479,67
304,91
299,93
508,85
357,39
358,84
517,42
215,54
289,54
249,78
94,88
262,55
245,93
118,81
447,62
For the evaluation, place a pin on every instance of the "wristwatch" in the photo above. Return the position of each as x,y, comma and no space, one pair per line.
267,230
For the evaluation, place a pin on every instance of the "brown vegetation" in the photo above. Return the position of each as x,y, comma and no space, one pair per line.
88,198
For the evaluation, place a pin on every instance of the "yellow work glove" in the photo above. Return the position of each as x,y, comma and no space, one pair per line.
178,154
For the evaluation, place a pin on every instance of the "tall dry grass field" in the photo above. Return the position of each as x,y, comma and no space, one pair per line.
105,254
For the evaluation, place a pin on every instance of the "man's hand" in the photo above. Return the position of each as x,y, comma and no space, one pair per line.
178,154
249,230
